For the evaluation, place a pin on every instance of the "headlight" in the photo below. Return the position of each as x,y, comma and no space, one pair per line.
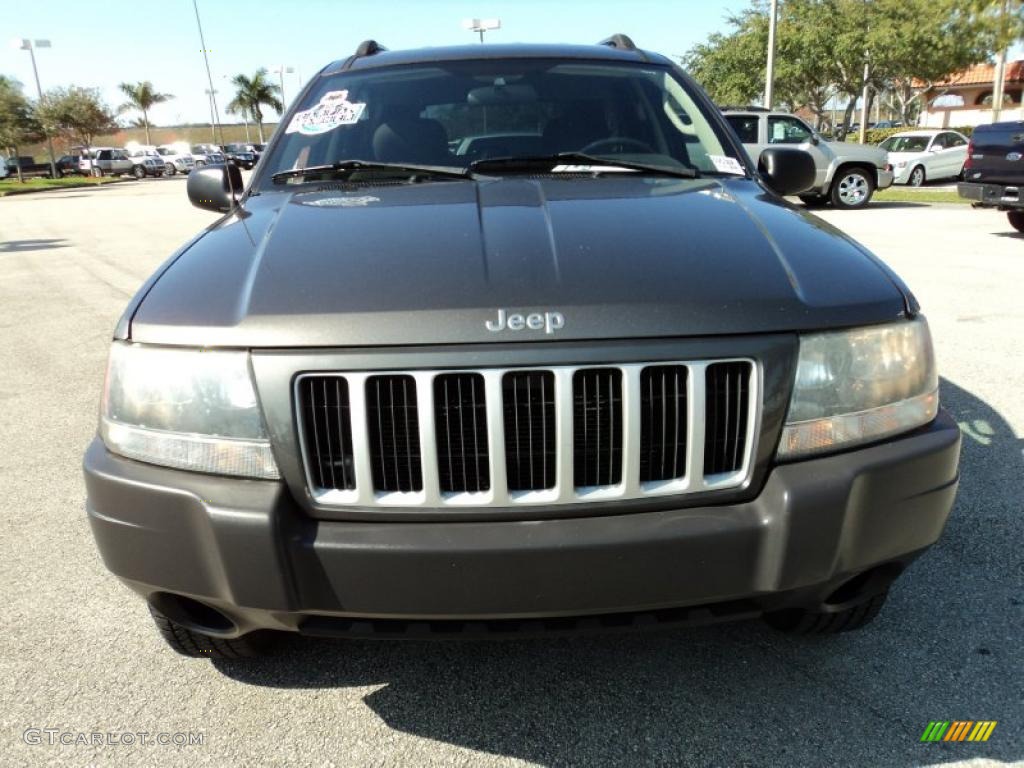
857,386
901,164
185,408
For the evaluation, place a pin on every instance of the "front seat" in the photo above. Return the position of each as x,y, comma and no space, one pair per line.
411,140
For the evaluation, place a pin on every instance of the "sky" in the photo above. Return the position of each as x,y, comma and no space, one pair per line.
106,42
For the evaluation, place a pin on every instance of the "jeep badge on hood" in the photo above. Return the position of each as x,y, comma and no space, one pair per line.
549,321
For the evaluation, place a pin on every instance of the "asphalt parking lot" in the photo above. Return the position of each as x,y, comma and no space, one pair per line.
80,654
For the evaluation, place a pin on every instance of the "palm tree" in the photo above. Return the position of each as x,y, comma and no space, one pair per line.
142,96
252,94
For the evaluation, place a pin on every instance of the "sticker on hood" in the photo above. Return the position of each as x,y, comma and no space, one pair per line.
333,110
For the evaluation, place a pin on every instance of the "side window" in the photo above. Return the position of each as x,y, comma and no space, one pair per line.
104,155
787,130
745,127
955,140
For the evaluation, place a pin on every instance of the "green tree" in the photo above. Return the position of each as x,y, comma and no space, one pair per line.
77,114
18,122
252,94
142,96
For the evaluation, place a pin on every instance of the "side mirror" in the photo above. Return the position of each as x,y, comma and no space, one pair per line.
214,187
787,171
815,139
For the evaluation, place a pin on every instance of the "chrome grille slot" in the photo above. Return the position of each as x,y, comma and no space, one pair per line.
597,427
328,436
663,423
725,425
509,437
460,409
391,417
529,420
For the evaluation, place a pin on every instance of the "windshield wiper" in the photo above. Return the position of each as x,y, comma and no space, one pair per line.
587,163
349,167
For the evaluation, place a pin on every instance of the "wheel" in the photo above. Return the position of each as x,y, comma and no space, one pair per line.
189,643
916,176
97,172
200,163
798,621
139,172
170,169
814,201
852,188
1016,219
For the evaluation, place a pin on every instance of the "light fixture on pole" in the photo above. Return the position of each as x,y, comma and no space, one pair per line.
481,25
24,44
281,70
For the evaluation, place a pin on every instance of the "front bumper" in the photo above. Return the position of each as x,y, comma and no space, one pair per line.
992,195
885,178
245,547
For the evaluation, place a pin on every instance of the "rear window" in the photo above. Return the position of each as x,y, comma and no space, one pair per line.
454,113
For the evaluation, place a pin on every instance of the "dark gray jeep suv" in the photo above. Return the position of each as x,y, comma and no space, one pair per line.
587,370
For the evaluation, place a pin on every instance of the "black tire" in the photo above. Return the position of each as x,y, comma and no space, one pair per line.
169,169
798,621
200,646
1016,219
852,188
200,163
917,176
97,173
814,201
139,172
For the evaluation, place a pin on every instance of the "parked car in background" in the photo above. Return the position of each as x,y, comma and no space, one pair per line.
241,155
847,175
67,165
994,170
145,161
206,154
103,161
919,156
175,161
3,167
29,167
888,124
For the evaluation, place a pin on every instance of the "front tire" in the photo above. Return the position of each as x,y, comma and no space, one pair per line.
814,201
852,189
799,621
200,646
169,169
917,176
1016,219
139,172
97,173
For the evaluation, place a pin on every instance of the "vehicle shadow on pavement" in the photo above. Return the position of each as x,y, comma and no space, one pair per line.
947,646
896,204
19,246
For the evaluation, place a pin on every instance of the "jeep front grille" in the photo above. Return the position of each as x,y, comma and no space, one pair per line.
509,437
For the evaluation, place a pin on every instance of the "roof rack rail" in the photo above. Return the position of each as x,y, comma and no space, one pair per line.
618,40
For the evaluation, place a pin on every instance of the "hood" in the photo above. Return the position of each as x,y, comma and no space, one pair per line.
456,261
847,150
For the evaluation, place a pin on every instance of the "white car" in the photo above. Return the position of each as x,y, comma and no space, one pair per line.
175,160
207,154
926,155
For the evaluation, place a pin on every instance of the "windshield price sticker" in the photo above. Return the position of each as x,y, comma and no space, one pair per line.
724,164
333,110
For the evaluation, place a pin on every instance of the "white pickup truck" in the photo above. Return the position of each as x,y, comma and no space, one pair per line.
847,175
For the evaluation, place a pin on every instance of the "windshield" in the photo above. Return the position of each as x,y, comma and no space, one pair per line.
905,144
456,113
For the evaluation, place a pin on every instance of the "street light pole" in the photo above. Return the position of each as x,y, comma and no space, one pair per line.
28,45
769,80
213,131
481,25
209,77
1000,68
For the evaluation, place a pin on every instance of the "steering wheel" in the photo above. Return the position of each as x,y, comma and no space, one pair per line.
618,141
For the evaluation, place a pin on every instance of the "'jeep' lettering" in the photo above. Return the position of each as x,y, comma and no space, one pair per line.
549,322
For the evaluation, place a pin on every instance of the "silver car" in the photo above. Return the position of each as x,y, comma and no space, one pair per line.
919,156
